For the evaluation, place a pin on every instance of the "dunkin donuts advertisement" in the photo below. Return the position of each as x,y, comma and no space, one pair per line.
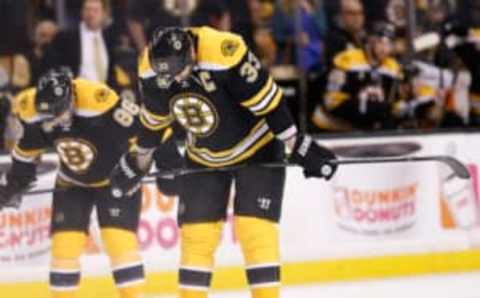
365,210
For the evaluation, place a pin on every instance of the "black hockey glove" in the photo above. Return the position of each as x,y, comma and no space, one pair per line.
314,159
11,190
168,158
126,177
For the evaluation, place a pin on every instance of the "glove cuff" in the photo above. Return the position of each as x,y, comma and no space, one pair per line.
129,166
302,145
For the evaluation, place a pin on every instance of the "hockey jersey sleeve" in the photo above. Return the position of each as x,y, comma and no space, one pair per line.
251,85
33,143
155,116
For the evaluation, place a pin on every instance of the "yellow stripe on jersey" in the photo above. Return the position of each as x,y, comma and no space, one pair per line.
167,134
62,179
153,121
145,70
266,100
251,102
26,155
335,98
224,153
259,136
121,77
92,98
248,153
272,105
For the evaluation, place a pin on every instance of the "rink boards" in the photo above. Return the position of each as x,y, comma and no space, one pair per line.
370,221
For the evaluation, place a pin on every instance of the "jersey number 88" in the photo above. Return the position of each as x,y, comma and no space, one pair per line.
126,113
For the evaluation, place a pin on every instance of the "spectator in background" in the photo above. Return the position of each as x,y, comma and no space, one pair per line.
10,128
13,26
464,31
44,9
248,21
310,37
87,50
350,30
147,15
44,33
5,105
215,14
362,85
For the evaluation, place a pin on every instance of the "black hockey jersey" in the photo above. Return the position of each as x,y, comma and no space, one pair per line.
351,79
222,106
89,148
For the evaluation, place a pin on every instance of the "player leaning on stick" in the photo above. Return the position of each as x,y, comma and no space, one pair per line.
215,88
89,127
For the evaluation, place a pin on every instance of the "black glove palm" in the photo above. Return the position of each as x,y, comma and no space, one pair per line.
315,159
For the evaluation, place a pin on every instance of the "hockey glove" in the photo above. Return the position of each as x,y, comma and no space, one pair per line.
315,159
126,177
11,190
168,158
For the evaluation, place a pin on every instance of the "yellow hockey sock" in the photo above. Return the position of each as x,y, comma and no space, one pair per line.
199,243
65,266
259,240
127,266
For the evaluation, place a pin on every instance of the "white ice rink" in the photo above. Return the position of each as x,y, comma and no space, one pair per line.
466,285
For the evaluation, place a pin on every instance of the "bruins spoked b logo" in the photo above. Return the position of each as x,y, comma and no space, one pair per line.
195,113
76,154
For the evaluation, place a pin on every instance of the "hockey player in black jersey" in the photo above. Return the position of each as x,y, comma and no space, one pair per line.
211,85
362,85
90,128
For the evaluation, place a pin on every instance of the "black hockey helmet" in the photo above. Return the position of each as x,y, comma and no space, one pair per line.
54,92
383,30
170,51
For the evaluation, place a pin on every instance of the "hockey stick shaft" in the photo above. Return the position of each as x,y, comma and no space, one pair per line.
455,165
458,168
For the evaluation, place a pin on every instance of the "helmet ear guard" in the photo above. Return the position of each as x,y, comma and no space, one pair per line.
54,93
169,52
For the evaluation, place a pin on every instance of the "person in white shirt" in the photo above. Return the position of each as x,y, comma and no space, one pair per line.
87,50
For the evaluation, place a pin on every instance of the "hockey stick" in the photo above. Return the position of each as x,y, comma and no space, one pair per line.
458,168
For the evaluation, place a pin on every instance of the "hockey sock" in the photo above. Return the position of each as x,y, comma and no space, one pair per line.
260,245
65,266
199,243
127,266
